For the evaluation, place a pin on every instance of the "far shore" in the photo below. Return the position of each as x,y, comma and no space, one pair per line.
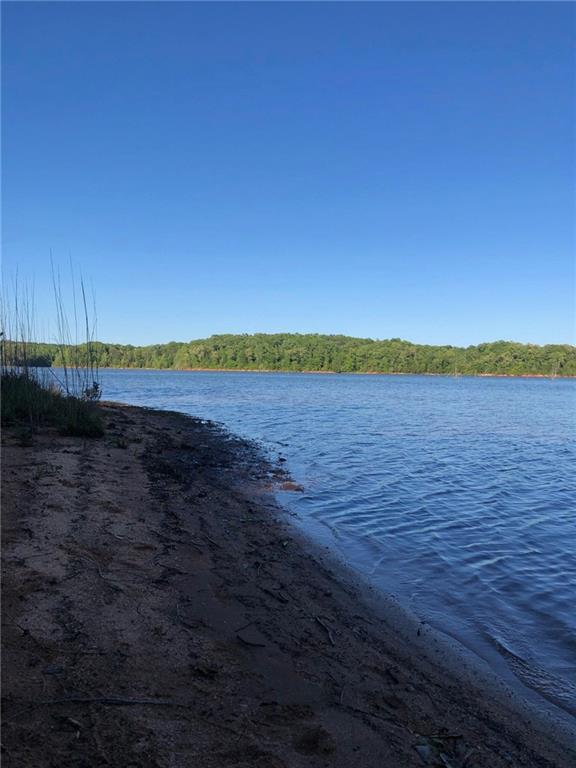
349,373
161,611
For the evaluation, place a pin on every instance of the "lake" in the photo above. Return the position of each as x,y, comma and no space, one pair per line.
456,494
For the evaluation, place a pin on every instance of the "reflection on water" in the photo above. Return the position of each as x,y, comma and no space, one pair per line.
455,494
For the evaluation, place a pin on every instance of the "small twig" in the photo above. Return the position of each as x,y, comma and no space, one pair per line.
250,643
26,632
277,595
170,568
176,542
326,628
467,756
379,717
158,564
287,591
30,557
245,626
111,701
342,689
76,724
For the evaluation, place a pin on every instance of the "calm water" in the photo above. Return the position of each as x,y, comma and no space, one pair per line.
455,494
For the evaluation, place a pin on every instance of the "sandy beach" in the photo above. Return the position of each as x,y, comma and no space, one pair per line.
160,611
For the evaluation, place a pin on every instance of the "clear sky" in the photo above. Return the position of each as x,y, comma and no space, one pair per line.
374,169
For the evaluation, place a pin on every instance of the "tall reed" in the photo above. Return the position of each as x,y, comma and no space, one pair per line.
33,393
79,376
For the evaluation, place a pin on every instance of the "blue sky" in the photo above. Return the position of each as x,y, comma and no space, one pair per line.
374,169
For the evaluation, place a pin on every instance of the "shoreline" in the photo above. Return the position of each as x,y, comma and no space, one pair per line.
151,568
353,373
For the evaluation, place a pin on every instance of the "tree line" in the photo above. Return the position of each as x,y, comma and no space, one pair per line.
315,352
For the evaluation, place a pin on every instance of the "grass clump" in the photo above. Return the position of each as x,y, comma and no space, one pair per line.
29,401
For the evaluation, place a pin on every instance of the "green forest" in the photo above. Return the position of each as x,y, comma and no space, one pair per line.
314,352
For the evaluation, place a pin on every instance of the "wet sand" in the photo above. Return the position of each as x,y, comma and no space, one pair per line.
159,610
